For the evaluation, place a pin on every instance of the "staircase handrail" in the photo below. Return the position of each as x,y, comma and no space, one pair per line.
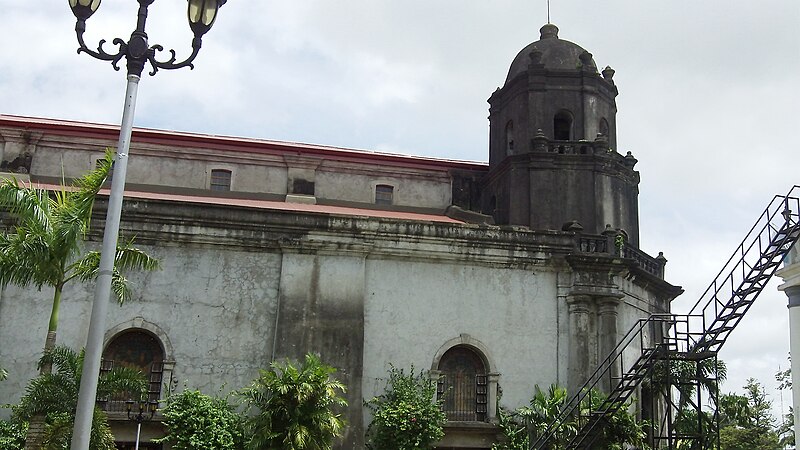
778,200
604,368
685,338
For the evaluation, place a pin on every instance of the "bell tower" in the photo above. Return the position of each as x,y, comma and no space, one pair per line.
553,144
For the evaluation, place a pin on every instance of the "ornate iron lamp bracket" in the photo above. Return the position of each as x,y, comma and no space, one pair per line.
136,51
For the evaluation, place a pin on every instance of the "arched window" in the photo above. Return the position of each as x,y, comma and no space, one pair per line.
562,126
463,385
603,128
136,349
510,138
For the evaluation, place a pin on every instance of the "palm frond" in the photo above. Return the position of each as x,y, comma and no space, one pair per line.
47,393
129,257
66,361
73,211
25,259
119,287
89,184
295,406
122,379
85,269
27,203
58,431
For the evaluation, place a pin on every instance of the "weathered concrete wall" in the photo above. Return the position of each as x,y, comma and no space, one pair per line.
413,309
322,311
410,189
216,308
163,167
364,293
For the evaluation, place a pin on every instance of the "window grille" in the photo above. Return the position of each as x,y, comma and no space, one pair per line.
384,194
463,386
137,350
220,180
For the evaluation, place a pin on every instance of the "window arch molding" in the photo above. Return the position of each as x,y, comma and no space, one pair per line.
138,323
157,368
465,340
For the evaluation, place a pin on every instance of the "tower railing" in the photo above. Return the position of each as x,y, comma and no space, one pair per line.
647,353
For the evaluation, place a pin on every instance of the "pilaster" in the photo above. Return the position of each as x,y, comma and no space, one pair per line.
580,330
607,335
791,287
491,413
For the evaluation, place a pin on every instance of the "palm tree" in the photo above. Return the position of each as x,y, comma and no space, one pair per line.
545,408
44,246
55,395
619,429
295,407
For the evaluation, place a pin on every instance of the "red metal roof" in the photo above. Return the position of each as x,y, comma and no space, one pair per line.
235,144
274,205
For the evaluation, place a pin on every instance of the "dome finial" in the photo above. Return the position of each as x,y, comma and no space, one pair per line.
549,31
548,11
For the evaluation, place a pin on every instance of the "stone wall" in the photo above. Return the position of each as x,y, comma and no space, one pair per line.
241,287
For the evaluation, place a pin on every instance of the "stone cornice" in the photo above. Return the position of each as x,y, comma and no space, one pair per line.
165,223
790,275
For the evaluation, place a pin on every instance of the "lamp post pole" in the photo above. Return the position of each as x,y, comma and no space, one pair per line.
141,416
137,52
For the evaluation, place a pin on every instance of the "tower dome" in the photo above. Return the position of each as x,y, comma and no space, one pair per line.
553,141
553,53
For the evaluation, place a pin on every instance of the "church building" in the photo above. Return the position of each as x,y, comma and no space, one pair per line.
494,277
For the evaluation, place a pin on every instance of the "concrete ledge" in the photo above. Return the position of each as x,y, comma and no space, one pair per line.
478,435
21,177
305,199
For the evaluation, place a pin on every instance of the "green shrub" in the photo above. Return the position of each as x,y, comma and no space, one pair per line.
12,435
197,421
514,431
406,416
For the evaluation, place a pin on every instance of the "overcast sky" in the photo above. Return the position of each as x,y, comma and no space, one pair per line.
708,99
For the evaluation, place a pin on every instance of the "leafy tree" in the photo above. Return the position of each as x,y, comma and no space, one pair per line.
196,421
683,374
294,407
746,422
786,428
406,416
681,378
44,247
55,395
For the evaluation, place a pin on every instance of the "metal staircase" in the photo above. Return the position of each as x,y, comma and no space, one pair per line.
669,360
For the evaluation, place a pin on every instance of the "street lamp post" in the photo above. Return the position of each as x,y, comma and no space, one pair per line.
137,52
146,412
